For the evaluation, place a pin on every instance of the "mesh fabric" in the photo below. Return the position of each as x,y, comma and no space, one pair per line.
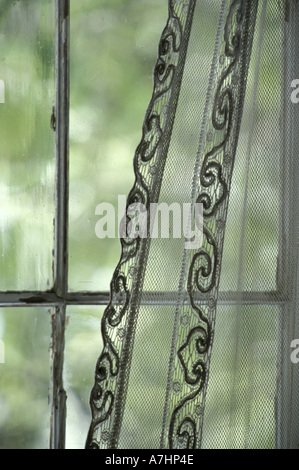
196,341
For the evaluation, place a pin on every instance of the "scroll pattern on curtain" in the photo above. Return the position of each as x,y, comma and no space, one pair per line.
107,398
185,400
194,336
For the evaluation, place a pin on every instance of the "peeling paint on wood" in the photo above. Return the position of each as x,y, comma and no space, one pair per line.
66,11
58,394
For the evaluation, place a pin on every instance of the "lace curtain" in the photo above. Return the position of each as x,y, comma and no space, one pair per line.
197,339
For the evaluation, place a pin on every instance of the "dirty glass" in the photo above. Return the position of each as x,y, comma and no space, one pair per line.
113,51
83,344
25,336
27,159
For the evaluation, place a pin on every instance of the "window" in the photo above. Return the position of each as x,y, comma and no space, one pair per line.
75,81
55,272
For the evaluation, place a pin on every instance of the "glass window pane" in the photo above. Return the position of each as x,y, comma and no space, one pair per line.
83,346
257,195
25,335
27,159
113,52
241,401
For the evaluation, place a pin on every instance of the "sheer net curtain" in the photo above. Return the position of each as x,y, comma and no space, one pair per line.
197,341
